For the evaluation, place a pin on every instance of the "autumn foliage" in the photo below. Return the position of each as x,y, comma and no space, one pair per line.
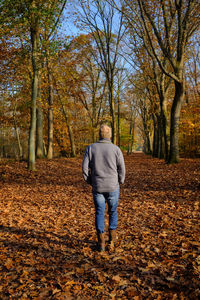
48,239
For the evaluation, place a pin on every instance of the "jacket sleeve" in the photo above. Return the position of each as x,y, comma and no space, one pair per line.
121,167
86,167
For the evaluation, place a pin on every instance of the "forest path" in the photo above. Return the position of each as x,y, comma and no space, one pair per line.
48,240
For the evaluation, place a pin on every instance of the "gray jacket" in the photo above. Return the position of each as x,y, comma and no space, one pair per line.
103,166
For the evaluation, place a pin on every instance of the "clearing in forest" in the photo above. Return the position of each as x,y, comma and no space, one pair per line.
48,239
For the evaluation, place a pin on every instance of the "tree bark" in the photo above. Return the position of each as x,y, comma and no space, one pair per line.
39,126
112,110
17,134
31,143
131,136
155,136
175,117
164,131
50,114
118,117
147,143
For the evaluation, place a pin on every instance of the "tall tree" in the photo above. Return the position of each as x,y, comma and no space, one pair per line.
34,32
101,19
93,92
168,24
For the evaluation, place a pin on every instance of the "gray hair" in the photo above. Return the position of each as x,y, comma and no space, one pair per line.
105,132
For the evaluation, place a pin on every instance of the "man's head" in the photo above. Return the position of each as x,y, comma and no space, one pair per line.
105,132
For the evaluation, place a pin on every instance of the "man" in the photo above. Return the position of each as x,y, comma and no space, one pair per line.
103,168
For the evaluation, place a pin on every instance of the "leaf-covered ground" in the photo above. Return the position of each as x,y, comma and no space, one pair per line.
48,240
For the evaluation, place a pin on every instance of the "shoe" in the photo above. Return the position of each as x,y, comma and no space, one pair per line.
101,241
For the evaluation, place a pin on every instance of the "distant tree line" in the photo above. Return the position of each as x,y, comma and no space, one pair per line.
136,66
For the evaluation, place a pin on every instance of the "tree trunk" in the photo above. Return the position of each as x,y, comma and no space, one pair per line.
163,120
71,137
50,114
94,129
39,133
39,126
147,143
118,123
174,126
17,134
93,134
161,143
132,135
112,111
113,127
164,132
155,136
19,143
31,143
94,119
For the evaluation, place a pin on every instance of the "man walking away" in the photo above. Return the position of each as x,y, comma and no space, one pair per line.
104,169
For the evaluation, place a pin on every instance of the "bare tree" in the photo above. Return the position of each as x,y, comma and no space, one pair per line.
101,19
93,92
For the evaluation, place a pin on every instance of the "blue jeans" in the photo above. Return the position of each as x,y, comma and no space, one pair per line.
100,200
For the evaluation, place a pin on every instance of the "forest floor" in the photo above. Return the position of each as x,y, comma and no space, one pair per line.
48,239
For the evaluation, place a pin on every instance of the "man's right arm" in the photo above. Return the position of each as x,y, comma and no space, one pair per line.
85,167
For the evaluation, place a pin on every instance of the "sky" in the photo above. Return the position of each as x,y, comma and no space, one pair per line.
70,15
